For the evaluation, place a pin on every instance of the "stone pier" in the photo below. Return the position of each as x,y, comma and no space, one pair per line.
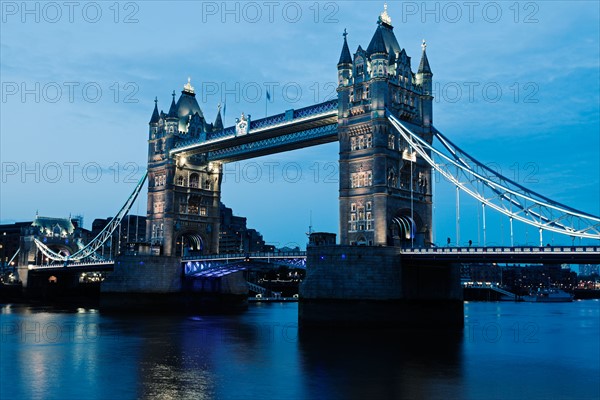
369,286
148,283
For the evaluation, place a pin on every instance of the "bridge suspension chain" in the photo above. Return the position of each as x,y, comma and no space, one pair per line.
106,233
507,196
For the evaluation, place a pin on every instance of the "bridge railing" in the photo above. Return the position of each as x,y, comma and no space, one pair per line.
502,249
72,265
282,254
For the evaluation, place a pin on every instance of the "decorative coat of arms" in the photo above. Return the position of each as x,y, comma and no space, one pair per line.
242,125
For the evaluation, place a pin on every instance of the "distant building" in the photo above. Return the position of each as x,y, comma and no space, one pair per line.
519,279
132,230
235,236
63,236
321,239
589,269
485,273
10,239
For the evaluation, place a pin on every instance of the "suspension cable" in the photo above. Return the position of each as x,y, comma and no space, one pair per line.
102,237
530,205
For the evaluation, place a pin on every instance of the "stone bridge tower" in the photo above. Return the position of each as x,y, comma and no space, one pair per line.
183,193
385,188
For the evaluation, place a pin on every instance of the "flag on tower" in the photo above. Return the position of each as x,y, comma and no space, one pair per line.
267,103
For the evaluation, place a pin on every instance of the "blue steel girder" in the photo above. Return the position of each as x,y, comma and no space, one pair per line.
192,267
286,142
291,130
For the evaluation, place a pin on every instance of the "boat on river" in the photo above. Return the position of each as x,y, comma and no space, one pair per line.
551,295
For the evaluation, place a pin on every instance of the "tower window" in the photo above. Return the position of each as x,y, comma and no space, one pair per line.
358,94
159,207
361,214
159,180
180,180
361,179
360,69
194,180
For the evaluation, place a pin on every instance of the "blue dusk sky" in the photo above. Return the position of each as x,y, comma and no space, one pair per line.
516,85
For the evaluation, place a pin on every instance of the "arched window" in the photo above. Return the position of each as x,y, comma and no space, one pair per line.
194,206
194,180
180,180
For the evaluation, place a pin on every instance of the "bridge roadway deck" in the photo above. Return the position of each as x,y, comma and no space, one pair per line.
523,254
244,256
83,267
467,255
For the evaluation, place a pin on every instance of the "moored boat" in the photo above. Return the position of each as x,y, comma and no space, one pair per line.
551,295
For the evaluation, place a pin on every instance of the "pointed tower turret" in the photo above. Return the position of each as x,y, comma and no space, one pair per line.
345,57
424,78
424,65
377,44
155,117
345,64
154,123
171,120
382,45
173,108
218,121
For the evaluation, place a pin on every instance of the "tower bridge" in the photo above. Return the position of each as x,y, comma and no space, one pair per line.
383,121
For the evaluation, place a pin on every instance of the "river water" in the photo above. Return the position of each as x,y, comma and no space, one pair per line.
506,351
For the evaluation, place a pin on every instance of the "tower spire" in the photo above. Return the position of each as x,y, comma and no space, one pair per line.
173,108
424,65
188,88
218,121
345,57
384,17
155,116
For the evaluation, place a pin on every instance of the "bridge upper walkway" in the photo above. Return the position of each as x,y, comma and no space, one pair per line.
293,129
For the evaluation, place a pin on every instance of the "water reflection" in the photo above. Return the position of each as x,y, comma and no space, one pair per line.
507,350
382,364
